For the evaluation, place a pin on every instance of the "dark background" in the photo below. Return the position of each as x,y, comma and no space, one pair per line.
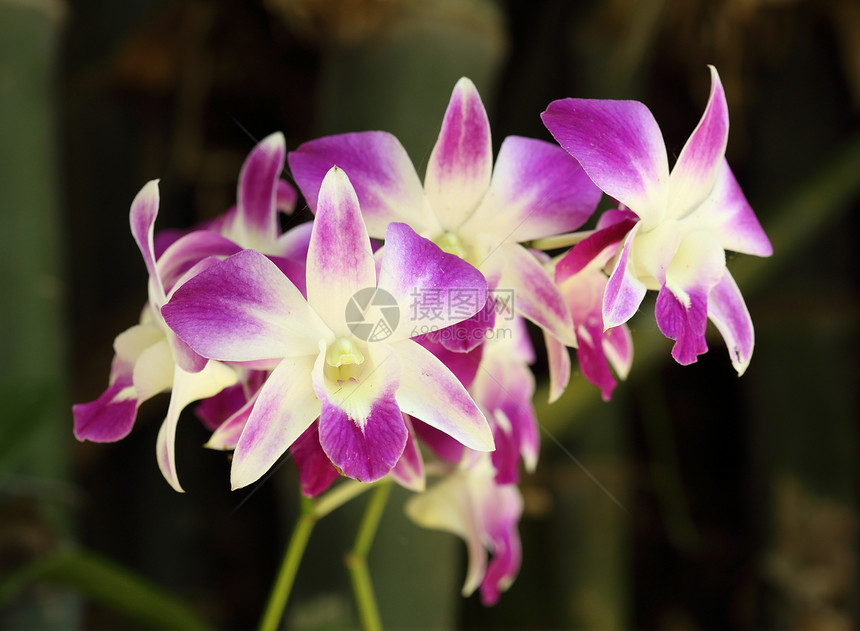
739,495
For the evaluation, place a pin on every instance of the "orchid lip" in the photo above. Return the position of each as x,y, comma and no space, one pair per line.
451,243
343,360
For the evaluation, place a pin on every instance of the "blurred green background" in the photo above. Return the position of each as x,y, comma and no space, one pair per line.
740,496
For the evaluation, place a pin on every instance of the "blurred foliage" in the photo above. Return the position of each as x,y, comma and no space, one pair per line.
104,582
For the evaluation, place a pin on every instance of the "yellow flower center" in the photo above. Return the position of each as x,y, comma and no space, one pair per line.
343,360
451,243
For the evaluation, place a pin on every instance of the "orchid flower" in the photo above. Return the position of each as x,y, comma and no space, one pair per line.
149,358
253,222
502,385
466,206
687,219
503,388
582,282
245,310
470,504
317,472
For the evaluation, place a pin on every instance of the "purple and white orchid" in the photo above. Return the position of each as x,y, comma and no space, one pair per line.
149,358
580,276
687,219
471,504
469,208
312,342
246,310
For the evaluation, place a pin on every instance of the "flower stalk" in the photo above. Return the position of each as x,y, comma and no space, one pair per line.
289,567
356,560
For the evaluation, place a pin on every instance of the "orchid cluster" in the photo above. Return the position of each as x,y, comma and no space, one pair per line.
387,337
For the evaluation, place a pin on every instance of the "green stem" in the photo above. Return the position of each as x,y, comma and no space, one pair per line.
312,511
356,560
289,567
339,496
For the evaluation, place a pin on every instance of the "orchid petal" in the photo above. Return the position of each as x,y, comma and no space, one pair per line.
654,250
110,417
294,243
286,197
506,456
464,365
434,289
215,411
187,387
536,296
728,216
153,370
728,312
682,303
189,249
520,344
129,344
504,388
377,376
458,173
618,348
184,355
469,504
448,506
340,261
624,292
286,406
296,272
244,309
440,443
683,321
387,186
619,145
409,470
699,262
257,217
361,428
590,249
367,449
501,510
537,190
431,393
469,334
166,237
592,359
696,170
144,209
316,472
227,434
558,359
